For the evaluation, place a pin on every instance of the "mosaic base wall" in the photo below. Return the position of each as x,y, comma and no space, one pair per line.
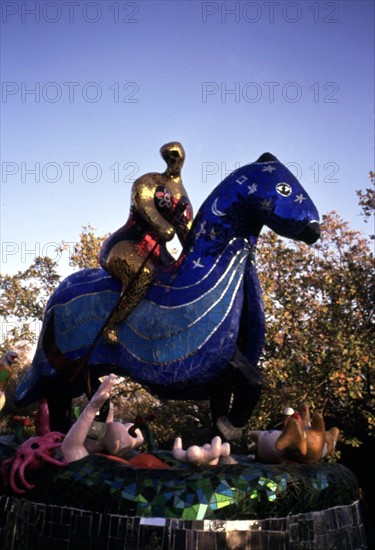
243,491
25,525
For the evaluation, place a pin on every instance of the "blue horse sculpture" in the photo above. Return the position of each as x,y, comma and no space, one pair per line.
197,315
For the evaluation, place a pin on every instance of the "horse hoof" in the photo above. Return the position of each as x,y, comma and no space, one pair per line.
227,429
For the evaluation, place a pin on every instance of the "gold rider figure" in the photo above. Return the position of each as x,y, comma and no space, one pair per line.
160,208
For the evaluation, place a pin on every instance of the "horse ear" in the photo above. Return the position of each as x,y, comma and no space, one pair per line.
266,157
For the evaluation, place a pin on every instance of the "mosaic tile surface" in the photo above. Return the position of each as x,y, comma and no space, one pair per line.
240,491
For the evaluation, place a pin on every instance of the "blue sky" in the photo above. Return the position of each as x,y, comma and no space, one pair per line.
91,90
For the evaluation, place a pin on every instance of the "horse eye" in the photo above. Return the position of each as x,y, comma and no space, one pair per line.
35,446
284,189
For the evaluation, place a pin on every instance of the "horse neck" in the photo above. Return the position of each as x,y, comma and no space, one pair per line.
212,245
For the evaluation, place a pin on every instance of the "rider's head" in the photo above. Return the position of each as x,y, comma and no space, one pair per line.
174,155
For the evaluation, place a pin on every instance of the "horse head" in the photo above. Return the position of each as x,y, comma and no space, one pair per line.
263,193
284,205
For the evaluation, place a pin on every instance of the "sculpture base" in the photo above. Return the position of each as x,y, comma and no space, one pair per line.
98,502
25,524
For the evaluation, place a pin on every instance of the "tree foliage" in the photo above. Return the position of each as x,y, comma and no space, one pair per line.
22,300
86,250
319,304
366,200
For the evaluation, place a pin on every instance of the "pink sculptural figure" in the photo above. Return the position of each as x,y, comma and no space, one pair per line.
208,455
122,439
112,437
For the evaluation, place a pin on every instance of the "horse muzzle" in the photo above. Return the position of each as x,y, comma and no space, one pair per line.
311,233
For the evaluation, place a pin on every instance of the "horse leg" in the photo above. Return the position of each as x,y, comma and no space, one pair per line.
220,396
60,408
235,395
220,401
245,398
236,410
247,387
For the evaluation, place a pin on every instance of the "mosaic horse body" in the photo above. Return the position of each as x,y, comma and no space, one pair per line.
198,311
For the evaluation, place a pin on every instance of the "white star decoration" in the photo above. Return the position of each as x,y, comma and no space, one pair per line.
212,234
300,198
201,230
241,180
197,263
252,188
269,168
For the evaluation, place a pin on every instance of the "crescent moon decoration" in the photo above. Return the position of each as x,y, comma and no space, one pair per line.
215,210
